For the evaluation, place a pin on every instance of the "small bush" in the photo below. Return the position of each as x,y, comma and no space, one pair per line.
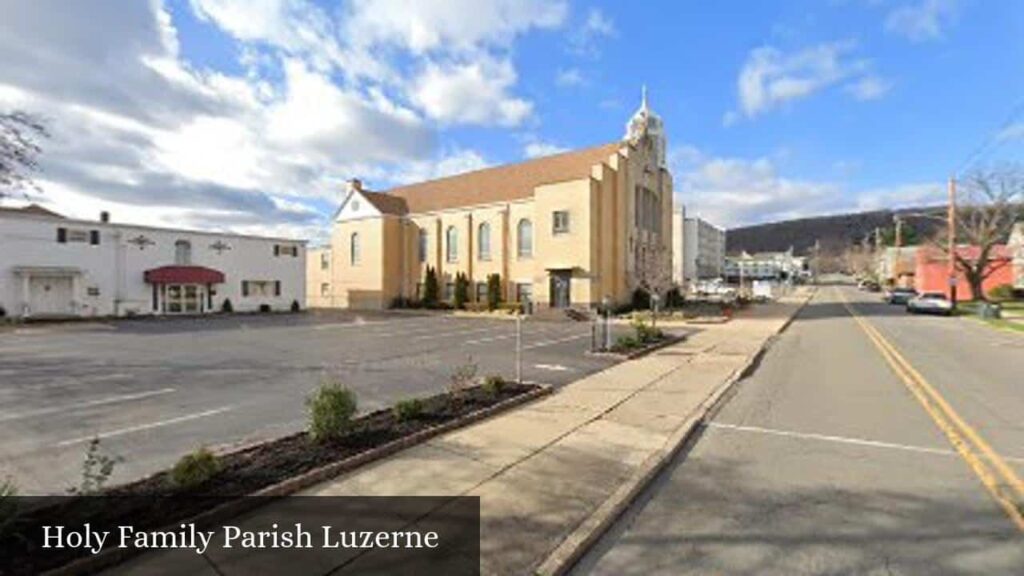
296,307
3,312
195,468
511,307
265,308
8,505
646,334
406,410
625,344
493,385
674,298
430,288
97,468
461,295
641,299
1001,292
227,307
331,408
461,378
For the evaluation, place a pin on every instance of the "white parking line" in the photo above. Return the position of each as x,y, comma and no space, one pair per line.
556,341
841,440
433,335
81,405
122,431
553,367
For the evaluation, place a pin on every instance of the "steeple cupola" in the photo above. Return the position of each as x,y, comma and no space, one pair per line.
646,123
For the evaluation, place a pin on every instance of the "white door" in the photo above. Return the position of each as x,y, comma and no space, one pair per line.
50,295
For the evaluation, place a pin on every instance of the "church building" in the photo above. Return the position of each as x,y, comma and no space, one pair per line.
567,230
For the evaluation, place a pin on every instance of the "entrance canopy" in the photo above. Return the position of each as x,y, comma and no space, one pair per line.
184,275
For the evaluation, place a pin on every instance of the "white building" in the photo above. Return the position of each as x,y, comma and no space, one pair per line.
679,247
765,266
1016,246
56,266
703,250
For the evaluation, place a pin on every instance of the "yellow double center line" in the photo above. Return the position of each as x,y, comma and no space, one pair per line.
999,479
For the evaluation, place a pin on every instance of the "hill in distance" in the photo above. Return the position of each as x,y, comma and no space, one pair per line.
835,232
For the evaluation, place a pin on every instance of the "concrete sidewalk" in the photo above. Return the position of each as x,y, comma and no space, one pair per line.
551,475
544,469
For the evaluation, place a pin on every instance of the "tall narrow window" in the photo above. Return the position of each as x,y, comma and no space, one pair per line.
183,253
325,260
423,245
524,238
451,237
355,254
483,241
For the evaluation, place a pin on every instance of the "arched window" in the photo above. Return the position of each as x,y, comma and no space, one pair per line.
355,253
183,253
423,246
451,237
524,238
483,241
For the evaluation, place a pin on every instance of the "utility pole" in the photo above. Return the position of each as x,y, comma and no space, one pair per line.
952,240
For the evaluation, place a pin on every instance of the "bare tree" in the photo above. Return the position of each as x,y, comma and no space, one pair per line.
992,200
20,134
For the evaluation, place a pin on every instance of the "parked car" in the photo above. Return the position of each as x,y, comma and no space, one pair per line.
900,295
930,303
868,286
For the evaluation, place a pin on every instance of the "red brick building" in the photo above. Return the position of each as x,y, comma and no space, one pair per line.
932,270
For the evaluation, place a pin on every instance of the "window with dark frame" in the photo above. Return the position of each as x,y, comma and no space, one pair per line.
560,222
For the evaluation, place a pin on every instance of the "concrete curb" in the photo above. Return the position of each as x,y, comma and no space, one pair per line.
243,504
580,540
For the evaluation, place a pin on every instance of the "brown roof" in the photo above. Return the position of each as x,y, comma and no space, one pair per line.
386,203
501,183
33,209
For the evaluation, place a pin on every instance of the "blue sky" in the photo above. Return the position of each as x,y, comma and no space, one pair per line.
250,115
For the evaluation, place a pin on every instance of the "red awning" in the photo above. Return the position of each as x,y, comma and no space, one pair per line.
184,275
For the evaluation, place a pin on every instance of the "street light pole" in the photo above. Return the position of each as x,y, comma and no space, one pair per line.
951,216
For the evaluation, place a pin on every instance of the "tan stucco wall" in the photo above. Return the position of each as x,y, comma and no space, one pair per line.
317,277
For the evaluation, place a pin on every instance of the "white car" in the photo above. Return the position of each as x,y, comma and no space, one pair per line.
930,303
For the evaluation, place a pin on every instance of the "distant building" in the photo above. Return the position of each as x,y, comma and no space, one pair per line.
932,270
1016,246
679,247
764,266
55,266
703,250
897,266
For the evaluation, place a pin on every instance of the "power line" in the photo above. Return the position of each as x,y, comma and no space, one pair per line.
993,141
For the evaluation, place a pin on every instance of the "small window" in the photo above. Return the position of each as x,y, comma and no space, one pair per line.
524,292
94,237
62,235
484,241
481,291
452,241
423,246
183,253
245,287
277,287
560,222
449,291
325,289
524,238
286,250
355,250
325,260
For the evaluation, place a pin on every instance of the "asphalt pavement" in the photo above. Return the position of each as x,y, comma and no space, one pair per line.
155,389
826,462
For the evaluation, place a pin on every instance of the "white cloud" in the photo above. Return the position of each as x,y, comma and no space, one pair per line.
570,77
770,78
537,148
1012,132
421,26
585,39
924,20
733,191
454,162
869,88
471,93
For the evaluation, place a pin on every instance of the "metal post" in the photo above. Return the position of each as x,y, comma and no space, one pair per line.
607,323
952,241
519,349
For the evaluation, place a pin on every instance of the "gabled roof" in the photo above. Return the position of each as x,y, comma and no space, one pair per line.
498,184
33,209
386,203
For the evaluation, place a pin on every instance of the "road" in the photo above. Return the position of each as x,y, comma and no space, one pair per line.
826,462
153,390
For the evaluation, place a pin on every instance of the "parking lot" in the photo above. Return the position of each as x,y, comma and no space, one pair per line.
155,389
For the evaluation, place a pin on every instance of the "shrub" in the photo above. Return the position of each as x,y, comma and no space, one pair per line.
1001,292
97,468
674,298
3,312
331,408
8,505
493,291
195,468
493,385
295,306
227,307
265,308
625,343
511,307
461,295
461,378
430,287
645,334
641,299
476,306
406,410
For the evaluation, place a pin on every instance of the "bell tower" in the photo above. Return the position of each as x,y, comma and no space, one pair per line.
646,123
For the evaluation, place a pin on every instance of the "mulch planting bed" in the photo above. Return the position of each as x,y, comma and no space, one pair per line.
154,502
